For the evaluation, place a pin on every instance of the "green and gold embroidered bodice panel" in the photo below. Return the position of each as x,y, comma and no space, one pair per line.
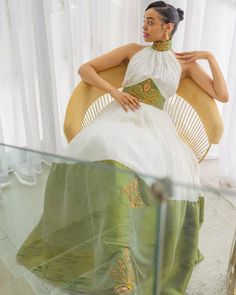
153,73
147,92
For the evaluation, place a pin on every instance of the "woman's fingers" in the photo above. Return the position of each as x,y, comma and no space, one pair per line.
185,56
126,104
131,102
184,53
132,105
134,100
125,107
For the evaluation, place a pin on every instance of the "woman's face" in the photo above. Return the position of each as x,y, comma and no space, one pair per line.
153,27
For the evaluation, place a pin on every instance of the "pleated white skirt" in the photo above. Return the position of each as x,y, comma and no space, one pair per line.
145,140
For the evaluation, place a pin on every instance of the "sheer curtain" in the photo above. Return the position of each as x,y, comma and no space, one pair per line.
211,25
43,43
227,157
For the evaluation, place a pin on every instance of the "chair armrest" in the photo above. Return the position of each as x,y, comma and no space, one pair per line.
84,95
205,106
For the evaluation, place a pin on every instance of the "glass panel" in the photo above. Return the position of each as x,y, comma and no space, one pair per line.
197,240
100,228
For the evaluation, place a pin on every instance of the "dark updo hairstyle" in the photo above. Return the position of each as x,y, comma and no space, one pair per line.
168,13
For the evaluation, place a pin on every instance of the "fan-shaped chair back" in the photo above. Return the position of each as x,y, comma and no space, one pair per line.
193,112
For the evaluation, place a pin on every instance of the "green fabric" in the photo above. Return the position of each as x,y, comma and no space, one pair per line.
147,91
98,231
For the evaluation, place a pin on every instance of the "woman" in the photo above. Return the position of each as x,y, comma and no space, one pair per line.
98,231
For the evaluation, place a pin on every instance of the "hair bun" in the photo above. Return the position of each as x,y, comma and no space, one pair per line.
181,13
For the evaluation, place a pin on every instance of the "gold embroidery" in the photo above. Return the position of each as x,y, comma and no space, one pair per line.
162,45
146,86
131,189
147,92
123,273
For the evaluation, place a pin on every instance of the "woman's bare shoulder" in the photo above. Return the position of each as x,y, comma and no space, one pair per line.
133,49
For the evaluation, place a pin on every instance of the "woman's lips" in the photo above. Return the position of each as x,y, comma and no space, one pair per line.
145,35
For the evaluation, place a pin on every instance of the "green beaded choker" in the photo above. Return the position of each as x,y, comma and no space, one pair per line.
162,45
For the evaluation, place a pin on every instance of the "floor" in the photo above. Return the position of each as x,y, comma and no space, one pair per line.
20,210
217,234
209,171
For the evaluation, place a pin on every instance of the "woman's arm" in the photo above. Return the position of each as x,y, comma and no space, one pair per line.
88,71
89,74
219,83
216,87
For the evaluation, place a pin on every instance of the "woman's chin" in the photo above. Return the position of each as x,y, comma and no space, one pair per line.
147,39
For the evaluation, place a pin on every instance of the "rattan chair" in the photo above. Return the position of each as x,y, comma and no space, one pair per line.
193,112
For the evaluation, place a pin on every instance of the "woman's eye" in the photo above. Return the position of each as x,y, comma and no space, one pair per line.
149,23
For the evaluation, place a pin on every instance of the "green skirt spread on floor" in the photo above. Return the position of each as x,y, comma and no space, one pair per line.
99,231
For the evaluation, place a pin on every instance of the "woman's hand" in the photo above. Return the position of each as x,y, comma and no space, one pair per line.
126,100
191,56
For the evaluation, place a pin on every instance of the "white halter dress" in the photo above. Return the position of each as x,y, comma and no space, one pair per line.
98,230
145,140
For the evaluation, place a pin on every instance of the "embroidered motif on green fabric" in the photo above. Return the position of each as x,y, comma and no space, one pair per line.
147,92
123,272
132,191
